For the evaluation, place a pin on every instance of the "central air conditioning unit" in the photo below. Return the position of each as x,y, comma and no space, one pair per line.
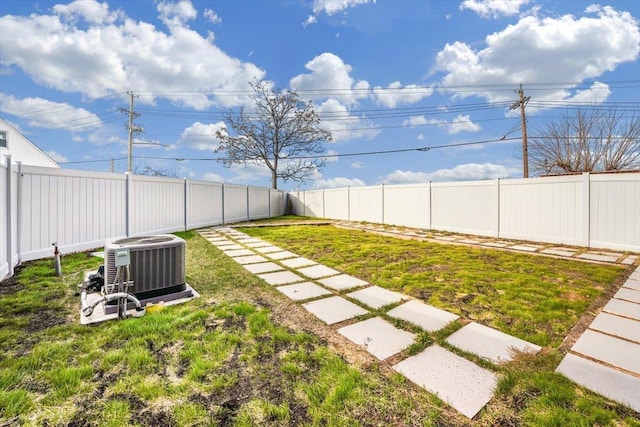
157,266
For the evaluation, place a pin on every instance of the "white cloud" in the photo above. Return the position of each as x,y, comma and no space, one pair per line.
331,7
202,136
395,94
559,49
311,19
465,172
56,156
357,165
494,8
334,156
213,177
336,119
212,16
339,182
462,124
415,121
110,53
598,92
49,114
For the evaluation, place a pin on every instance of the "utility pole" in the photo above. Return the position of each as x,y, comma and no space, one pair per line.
525,150
130,126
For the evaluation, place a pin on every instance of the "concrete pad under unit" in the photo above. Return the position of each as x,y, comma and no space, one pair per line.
617,326
379,337
268,249
251,259
623,308
376,297
280,278
427,317
317,271
627,294
605,348
239,252
297,262
281,255
616,385
564,252
592,256
489,343
303,291
334,309
462,384
343,281
263,267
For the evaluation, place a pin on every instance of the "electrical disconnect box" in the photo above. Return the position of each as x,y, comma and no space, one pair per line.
122,257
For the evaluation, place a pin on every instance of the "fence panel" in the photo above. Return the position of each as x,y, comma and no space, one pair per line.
204,204
365,204
5,213
546,209
465,207
407,205
314,203
276,204
336,203
76,209
156,205
615,211
258,202
235,203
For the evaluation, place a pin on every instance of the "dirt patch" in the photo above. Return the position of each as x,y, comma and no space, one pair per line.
45,319
10,286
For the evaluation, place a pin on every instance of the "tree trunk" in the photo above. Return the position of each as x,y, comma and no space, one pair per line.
274,180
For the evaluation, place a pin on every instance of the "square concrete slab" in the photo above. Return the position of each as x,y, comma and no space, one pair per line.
342,281
627,294
595,256
636,274
448,238
614,351
252,259
526,248
260,244
462,384
334,309
303,291
225,242
469,241
280,278
617,326
239,252
263,267
631,259
632,284
230,247
317,271
489,343
566,252
281,255
379,337
268,249
297,262
248,240
616,385
427,317
623,308
376,297
496,244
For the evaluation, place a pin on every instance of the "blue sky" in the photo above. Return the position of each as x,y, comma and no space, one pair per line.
385,75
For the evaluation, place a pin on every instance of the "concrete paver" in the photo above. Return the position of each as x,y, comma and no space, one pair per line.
231,246
632,284
629,260
297,262
281,255
618,326
616,385
462,384
623,308
379,337
635,275
263,267
564,252
260,244
496,244
447,238
489,343
239,252
376,297
526,248
595,256
342,282
225,242
268,249
427,317
251,259
303,291
317,271
469,241
280,278
614,351
248,240
334,309
627,294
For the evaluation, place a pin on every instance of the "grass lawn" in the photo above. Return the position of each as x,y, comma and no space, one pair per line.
244,355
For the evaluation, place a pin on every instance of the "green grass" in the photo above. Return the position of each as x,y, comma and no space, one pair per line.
244,355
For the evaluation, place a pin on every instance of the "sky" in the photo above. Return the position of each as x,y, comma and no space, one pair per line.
411,90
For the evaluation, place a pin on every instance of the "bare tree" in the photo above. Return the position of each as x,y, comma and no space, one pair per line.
587,140
153,171
282,133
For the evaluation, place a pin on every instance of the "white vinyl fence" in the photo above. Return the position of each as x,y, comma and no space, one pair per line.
590,210
80,210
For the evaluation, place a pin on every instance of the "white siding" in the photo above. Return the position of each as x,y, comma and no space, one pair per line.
22,150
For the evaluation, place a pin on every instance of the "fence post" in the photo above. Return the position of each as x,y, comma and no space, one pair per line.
128,196
248,207
222,203
9,221
186,204
269,201
19,214
586,209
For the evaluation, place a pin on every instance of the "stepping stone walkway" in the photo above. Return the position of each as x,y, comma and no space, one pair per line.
597,361
606,358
